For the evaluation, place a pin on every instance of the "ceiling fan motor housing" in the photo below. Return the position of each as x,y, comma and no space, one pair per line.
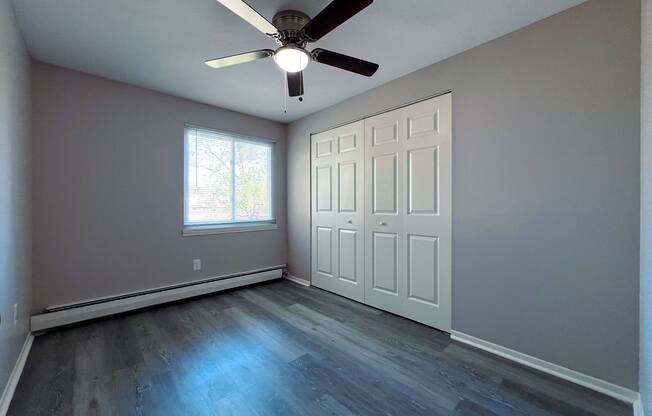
289,24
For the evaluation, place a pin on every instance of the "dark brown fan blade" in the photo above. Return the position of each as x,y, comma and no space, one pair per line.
251,16
295,83
239,59
336,13
345,62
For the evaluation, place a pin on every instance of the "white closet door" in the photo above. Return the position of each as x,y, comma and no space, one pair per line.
384,135
408,211
338,210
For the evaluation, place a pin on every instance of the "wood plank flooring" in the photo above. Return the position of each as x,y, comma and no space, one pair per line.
280,349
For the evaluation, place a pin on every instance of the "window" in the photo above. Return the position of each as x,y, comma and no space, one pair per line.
228,182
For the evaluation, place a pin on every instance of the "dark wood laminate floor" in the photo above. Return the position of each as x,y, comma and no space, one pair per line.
280,349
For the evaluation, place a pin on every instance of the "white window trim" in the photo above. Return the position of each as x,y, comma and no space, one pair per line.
228,227
189,231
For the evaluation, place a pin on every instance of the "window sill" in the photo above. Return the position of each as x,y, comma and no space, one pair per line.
227,229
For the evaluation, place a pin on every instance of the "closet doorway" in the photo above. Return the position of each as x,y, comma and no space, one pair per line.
381,211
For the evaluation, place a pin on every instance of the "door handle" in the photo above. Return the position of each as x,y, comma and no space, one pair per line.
382,223
350,221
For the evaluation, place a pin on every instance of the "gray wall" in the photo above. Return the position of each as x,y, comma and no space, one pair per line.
645,374
108,190
545,186
15,191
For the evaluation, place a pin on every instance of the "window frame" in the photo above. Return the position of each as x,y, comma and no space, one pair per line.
207,228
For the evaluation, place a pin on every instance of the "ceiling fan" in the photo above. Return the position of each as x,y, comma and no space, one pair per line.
293,30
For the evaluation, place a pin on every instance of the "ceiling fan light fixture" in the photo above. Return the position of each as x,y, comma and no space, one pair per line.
291,58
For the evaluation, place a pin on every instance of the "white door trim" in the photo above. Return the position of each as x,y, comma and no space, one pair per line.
386,110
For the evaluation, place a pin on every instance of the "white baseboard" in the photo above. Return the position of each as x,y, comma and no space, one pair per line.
618,392
298,280
638,408
111,307
12,383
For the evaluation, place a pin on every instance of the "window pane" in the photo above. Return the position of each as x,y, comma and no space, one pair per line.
209,178
252,181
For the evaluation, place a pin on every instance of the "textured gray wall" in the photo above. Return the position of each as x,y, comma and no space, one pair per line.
15,191
645,374
108,190
545,185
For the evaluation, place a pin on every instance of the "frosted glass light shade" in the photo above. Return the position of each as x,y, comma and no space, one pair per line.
291,59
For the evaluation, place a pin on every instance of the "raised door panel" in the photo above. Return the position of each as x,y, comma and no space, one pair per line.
385,262
348,142
384,179
422,124
425,121
324,148
384,133
324,189
422,273
348,186
423,179
324,258
348,255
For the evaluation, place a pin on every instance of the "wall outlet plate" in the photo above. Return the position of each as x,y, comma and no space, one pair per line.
196,264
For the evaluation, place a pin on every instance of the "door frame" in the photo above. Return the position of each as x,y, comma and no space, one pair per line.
386,110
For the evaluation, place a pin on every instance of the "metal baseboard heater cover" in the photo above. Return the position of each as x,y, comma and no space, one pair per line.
84,311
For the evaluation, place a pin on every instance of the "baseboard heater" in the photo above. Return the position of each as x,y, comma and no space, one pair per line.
98,308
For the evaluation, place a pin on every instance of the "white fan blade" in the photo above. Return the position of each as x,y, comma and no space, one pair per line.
239,59
250,15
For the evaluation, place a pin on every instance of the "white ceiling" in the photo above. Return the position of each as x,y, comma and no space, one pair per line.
162,44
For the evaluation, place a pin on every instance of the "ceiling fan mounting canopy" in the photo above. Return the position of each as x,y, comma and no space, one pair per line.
289,24
293,30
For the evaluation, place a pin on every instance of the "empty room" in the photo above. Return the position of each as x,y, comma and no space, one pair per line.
326,207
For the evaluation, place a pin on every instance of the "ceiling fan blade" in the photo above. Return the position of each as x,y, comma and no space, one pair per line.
345,62
336,13
250,15
239,59
295,83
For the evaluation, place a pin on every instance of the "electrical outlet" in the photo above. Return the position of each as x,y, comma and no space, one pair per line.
15,313
196,265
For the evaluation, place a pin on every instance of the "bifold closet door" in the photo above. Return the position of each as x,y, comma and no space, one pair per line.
408,211
338,210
